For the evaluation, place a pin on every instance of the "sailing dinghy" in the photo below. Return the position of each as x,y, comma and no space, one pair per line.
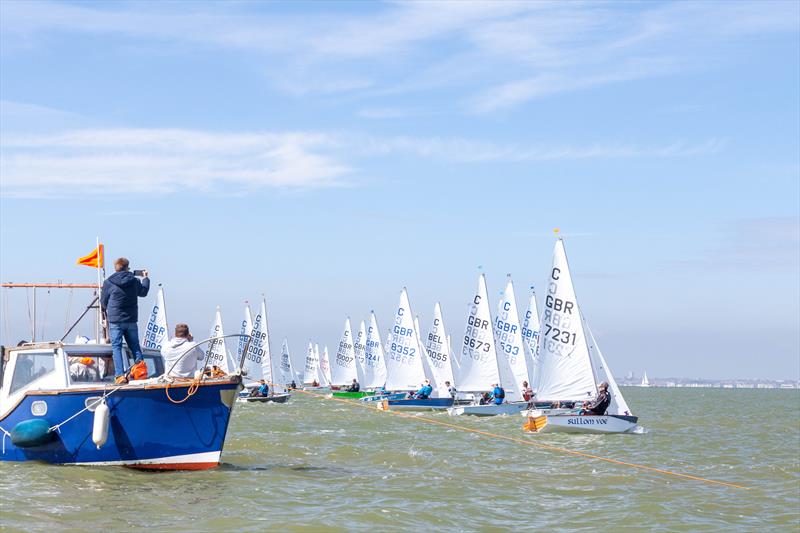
258,362
571,365
405,362
482,365
344,368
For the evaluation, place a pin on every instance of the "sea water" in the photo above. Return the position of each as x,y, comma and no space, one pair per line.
315,464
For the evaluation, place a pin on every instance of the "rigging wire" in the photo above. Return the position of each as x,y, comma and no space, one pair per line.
5,317
69,310
44,315
30,320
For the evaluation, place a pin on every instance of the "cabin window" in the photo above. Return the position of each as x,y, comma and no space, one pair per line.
90,368
30,367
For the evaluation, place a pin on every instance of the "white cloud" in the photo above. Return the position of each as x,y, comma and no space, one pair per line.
495,55
164,161
161,161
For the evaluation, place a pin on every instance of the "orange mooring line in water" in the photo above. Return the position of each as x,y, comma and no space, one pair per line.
536,444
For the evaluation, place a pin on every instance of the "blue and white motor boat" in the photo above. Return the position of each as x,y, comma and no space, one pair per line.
59,404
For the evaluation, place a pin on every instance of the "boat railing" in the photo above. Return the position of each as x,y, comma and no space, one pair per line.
210,340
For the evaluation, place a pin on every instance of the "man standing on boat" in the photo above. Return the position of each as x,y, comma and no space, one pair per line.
119,300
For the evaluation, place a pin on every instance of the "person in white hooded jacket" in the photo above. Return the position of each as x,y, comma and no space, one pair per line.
176,347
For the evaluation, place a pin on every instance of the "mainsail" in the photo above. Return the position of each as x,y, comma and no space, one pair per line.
508,336
430,375
565,369
258,351
311,368
244,331
157,330
324,366
530,333
217,354
284,375
403,358
343,368
374,359
438,353
478,366
359,348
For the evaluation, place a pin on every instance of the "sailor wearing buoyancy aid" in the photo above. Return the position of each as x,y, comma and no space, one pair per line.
425,392
498,394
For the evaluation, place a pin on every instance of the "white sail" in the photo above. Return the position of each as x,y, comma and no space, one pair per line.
311,368
343,368
374,358
269,362
530,334
324,366
453,356
645,381
438,352
157,332
404,370
478,362
217,354
508,338
359,347
284,374
565,370
618,405
258,349
245,329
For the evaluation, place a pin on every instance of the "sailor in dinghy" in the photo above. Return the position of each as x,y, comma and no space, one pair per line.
571,364
483,369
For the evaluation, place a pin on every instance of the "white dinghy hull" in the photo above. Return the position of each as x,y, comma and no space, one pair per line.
511,408
564,423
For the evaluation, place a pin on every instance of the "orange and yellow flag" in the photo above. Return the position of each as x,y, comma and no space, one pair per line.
93,259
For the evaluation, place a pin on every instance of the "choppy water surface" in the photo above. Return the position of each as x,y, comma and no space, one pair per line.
316,464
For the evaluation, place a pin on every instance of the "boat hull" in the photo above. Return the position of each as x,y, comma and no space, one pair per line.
510,408
571,423
379,398
430,404
145,429
275,398
353,395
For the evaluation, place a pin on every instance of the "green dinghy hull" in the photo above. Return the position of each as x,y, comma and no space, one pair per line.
353,395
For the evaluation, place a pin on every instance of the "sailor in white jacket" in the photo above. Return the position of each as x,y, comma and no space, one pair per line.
177,347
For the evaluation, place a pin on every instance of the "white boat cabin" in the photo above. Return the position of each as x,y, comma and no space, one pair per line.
50,366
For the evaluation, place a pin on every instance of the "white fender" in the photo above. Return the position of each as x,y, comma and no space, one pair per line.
100,429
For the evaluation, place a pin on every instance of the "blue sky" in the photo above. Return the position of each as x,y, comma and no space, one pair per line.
327,154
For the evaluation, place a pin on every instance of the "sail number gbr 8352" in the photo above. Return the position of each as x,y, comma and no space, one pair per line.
559,319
